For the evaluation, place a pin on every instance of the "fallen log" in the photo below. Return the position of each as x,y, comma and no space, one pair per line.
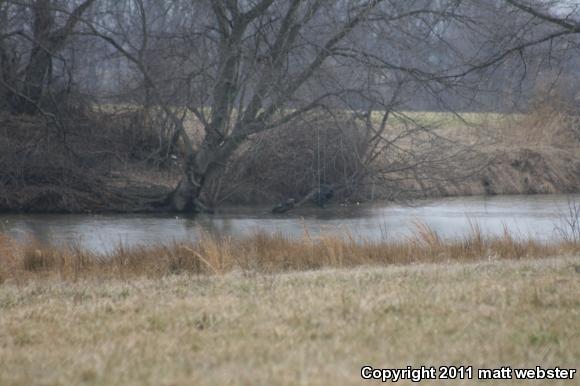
320,196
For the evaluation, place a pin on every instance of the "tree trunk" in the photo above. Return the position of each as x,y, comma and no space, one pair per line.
186,196
4,77
40,62
200,166
47,42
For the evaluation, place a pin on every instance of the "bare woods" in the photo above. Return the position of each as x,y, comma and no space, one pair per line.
146,105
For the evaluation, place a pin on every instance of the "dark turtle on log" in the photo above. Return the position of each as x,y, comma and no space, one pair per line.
320,196
323,194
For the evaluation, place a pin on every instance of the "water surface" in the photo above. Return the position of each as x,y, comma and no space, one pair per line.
527,216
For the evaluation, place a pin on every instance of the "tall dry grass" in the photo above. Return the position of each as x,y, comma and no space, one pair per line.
548,123
268,253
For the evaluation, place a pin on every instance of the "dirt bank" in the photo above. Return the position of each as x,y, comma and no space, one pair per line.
104,163
532,171
98,163
546,170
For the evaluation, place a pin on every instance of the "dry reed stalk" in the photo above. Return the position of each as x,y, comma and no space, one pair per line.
263,252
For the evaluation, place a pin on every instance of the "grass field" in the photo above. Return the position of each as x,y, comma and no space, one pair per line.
311,328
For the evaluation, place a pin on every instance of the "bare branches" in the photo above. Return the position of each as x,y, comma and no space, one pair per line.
46,43
572,26
59,37
225,72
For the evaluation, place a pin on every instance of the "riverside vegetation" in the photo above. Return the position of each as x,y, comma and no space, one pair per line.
181,106
270,310
186,106
265,253
110,163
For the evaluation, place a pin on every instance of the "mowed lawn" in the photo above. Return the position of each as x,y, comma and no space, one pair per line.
312,328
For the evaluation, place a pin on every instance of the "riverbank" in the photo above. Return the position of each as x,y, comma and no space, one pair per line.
519,171
314,328
267,253
113,163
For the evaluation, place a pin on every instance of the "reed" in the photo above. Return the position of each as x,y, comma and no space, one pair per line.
264,253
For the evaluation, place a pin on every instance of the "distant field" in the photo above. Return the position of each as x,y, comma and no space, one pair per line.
421,117
454,119
466,127
315,328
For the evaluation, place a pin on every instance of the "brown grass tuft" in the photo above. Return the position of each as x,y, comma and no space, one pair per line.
266,253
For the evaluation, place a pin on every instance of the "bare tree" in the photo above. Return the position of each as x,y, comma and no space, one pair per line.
47,39
242,68
266,63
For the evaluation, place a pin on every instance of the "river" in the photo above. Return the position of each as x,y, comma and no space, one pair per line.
526,216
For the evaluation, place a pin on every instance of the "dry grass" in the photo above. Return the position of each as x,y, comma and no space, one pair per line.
536,152
315,328
547,125
263,253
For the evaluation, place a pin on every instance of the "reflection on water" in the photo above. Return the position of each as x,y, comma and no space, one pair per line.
529,216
